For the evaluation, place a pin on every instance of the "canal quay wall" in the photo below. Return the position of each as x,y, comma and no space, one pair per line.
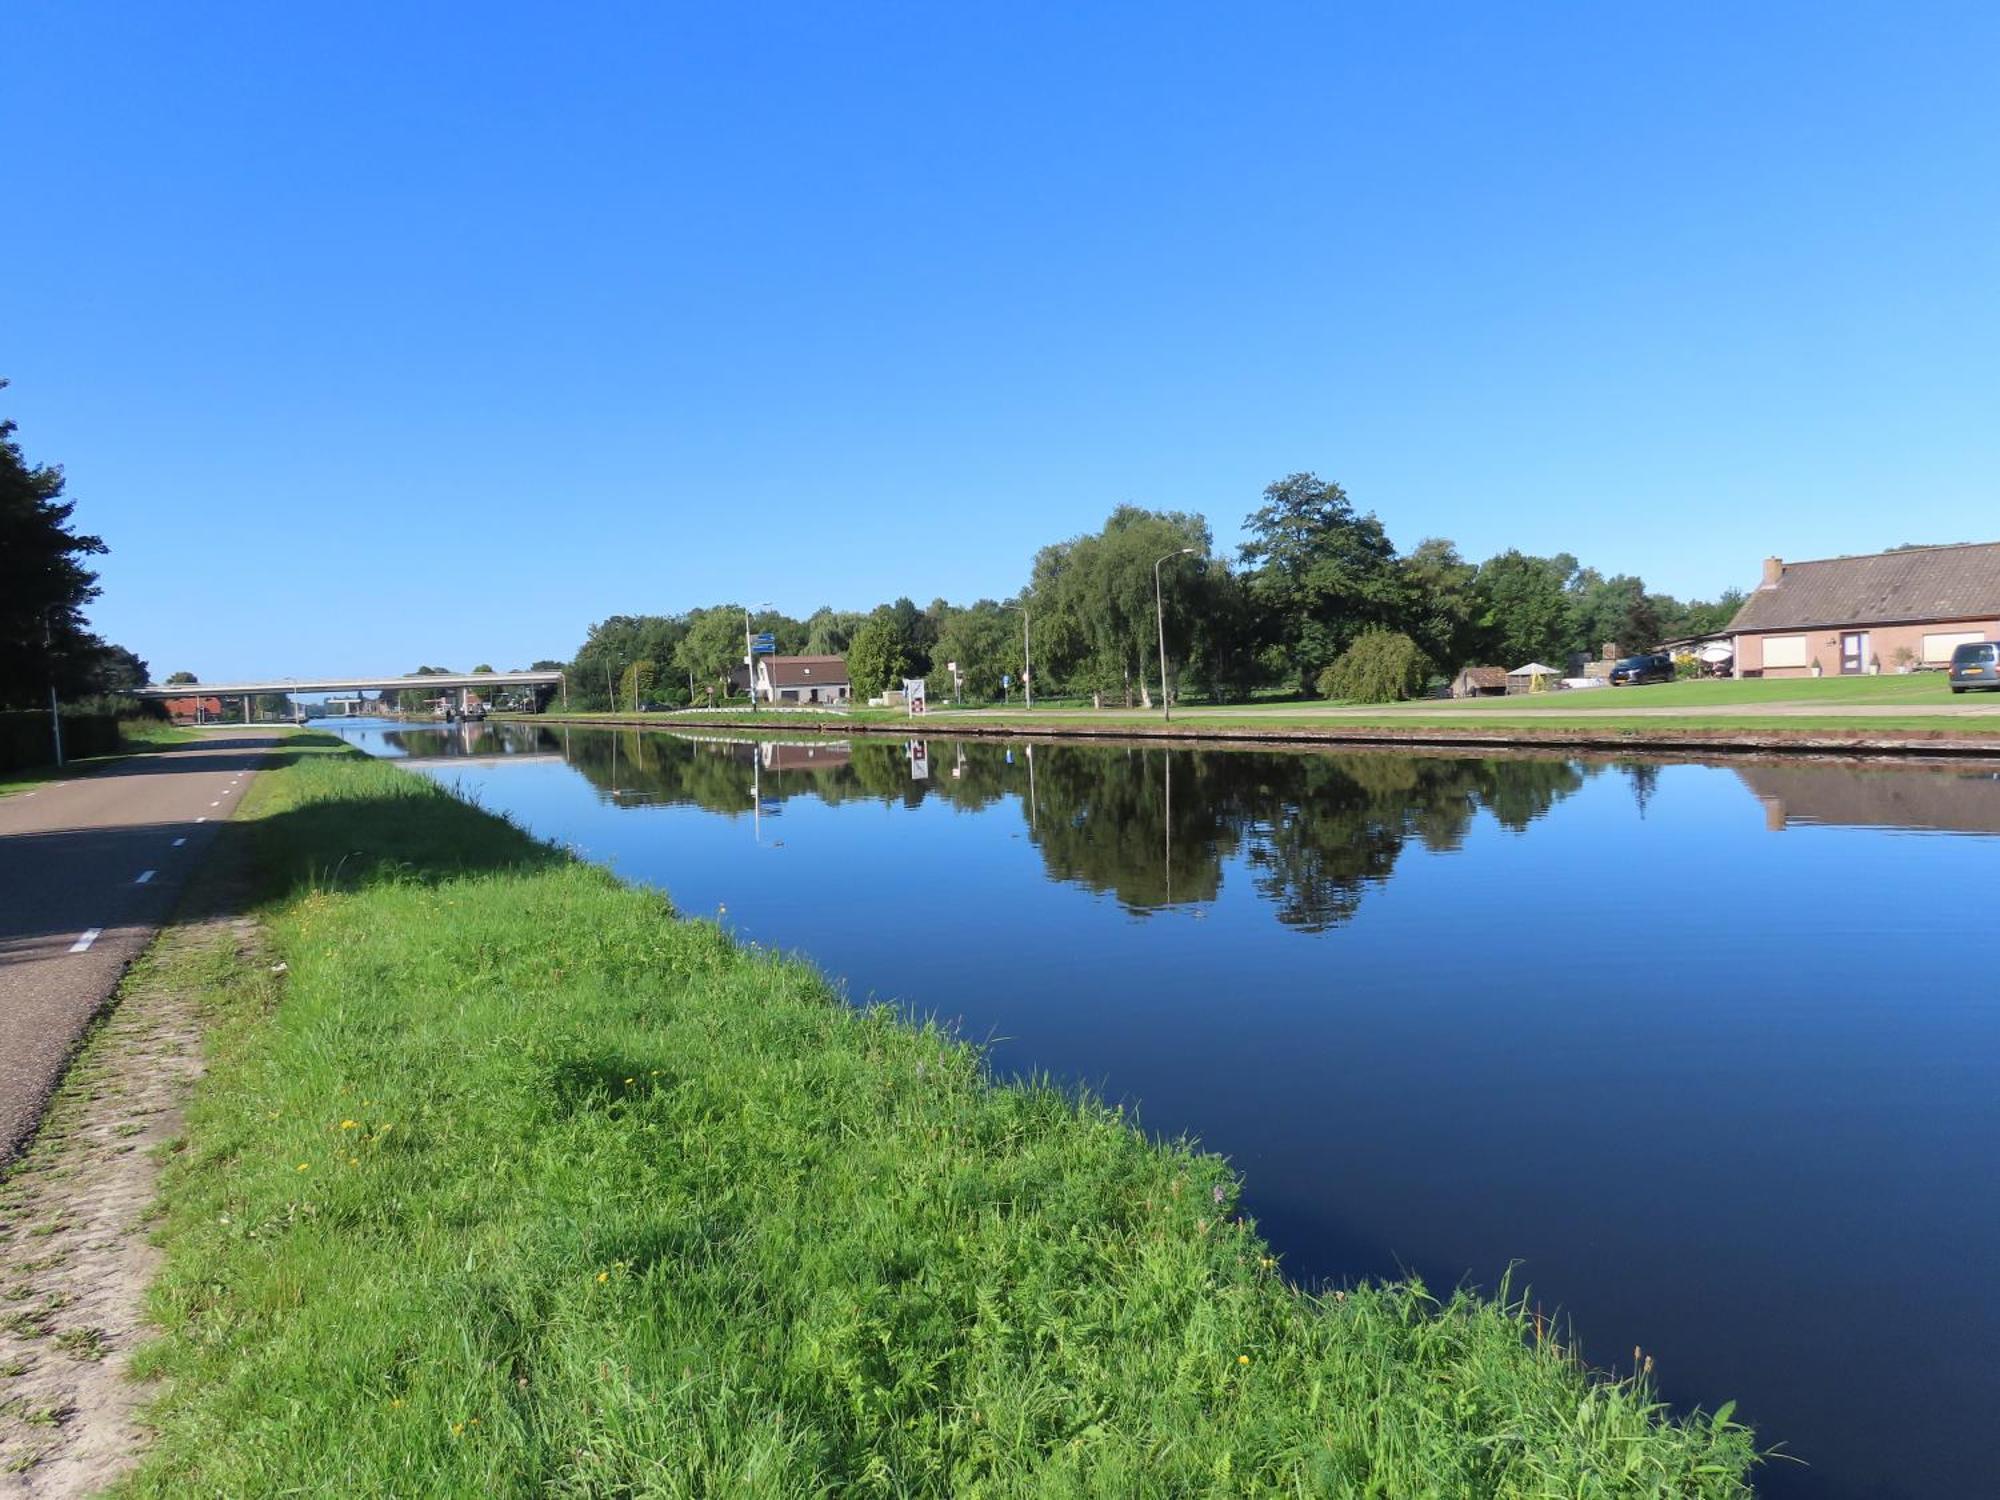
1666,741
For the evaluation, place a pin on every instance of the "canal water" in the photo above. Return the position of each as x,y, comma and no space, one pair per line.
1708,1054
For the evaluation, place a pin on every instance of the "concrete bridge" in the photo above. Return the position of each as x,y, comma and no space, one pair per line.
434,683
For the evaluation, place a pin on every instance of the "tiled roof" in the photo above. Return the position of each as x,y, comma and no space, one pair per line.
1924,583
1486,677
806,671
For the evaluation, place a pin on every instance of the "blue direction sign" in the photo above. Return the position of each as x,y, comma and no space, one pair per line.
764,644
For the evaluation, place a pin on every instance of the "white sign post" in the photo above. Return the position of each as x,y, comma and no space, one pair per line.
913,696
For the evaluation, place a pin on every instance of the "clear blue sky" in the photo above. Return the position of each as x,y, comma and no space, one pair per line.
379,334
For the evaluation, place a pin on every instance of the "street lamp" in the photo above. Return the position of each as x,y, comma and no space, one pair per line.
1160,613
750,656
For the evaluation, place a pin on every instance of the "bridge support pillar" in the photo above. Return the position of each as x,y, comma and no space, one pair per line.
246,708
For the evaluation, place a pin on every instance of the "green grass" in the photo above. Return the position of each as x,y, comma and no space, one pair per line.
1711,707
518,1184
138,735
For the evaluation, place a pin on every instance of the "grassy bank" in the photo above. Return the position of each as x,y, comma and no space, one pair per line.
1918,710
525,1186
135,737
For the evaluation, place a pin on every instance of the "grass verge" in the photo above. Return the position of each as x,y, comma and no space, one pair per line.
137,736
527,1186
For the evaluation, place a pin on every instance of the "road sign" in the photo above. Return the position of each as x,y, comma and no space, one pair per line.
764,644
913,695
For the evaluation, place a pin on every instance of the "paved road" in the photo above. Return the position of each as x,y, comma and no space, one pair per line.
89,869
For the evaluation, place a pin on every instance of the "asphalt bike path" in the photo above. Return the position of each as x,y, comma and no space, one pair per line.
89,870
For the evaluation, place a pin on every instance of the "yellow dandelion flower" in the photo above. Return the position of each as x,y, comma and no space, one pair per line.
305,1166
602,1277
349,1125
1243,1359
630,1081
457,1428
398,1401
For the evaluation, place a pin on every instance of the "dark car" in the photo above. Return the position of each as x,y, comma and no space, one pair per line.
1635,669
1976,664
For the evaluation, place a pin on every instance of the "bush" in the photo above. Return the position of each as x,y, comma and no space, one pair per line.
1382,666
25,739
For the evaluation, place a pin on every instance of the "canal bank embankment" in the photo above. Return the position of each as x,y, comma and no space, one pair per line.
526,1184
1666,738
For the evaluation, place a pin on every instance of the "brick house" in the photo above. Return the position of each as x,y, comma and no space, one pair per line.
801,679
193,709
1876,613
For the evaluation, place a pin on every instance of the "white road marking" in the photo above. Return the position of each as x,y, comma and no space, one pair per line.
201,820
144,876
82,944
179,842
216,803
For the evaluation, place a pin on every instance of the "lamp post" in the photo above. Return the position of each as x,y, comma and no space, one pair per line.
1027,661
750,656
1160,614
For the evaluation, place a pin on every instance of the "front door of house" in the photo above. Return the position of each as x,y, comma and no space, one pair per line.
1853,644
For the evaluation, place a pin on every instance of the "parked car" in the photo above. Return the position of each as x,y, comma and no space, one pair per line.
1976,664
1637,669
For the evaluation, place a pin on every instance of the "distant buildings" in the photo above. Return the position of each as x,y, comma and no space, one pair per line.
194,710
1882,612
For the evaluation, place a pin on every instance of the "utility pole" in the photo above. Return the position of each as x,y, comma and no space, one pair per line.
55,710
749,661
1160,613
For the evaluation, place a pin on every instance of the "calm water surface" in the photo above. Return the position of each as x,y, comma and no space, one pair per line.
1711,1054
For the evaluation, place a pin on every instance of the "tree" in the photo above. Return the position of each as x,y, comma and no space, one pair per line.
1093,604
44,584
1319,573
711,646
984,639
1443,602
1382,666
830,631
1612,611
1524,608
877,659
177,679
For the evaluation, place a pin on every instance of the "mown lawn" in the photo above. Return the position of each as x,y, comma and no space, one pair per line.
515,1183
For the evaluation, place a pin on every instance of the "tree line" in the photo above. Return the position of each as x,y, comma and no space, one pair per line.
45,584
1318,600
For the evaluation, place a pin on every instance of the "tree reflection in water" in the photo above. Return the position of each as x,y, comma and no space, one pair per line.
1148,826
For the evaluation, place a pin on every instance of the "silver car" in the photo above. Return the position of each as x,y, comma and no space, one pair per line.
1976,664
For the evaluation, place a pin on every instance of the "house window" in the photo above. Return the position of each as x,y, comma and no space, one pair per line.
1939,646
1784,651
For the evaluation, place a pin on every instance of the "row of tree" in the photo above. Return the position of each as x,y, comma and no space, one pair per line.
1317,600
45,583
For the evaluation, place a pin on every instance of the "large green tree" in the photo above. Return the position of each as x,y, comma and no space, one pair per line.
44,584
1320,573
1524,609
1093,602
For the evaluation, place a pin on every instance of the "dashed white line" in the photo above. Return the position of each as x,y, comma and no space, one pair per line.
144,876
82,944
201,820
179,842
216,803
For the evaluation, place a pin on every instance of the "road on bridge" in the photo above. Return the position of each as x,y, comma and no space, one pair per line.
89,869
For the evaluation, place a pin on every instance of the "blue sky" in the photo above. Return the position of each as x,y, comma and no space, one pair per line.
373,334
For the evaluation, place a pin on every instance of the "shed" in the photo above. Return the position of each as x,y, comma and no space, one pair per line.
1479,682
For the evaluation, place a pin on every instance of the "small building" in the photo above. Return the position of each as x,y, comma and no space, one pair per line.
1886,611
801,679
1479,682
